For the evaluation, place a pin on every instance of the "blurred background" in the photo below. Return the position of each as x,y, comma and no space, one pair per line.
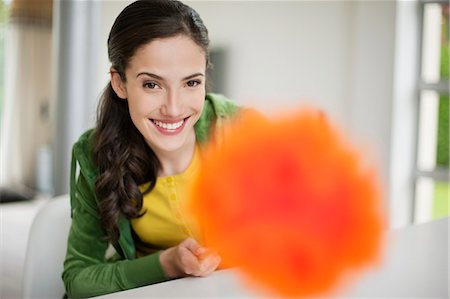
379,69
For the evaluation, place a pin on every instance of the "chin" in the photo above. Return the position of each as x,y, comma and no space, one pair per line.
169,144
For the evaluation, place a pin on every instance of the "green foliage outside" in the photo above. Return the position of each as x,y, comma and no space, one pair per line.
441,200
445,49
443,132
443,123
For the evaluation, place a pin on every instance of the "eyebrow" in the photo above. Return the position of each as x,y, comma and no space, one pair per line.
161,78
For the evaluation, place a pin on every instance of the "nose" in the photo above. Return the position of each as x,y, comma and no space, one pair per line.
172,106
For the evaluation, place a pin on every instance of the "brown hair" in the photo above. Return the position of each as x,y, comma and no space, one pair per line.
123,158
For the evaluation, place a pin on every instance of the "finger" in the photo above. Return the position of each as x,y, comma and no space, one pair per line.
189,262
192,245
209,265
204,252
210,262
201,252
206,264
204,260
196,248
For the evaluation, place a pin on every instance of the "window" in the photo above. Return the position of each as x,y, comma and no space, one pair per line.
432,159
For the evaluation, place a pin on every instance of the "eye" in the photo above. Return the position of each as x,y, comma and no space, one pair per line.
150,85
193,83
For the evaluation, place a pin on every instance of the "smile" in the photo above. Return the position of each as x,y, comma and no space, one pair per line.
169,127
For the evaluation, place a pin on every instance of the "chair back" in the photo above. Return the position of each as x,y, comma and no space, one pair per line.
46,250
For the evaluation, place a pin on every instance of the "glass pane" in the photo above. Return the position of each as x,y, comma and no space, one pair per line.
441,200
432,200
428,125
445,43
435,43
442,154
423,210
433,138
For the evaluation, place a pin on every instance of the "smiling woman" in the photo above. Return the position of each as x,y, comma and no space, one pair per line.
134,166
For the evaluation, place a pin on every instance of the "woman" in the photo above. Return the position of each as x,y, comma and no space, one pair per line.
132,169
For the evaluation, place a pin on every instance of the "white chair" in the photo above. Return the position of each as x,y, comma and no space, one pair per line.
46,250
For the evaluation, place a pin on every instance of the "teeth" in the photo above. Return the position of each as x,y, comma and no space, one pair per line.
168,126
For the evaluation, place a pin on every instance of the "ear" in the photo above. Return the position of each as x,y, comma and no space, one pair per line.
117,84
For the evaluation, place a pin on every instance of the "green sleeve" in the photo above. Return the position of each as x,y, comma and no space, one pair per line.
87,272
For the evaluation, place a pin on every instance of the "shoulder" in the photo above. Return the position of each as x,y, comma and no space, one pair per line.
85,139
83,150
216,108
220,105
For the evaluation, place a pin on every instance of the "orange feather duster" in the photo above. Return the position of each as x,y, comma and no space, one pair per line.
289,203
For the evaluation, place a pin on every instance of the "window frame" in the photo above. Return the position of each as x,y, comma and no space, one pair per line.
439,173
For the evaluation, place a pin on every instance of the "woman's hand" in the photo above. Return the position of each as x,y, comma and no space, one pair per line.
188,259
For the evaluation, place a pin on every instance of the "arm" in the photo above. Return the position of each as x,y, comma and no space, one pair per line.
86,270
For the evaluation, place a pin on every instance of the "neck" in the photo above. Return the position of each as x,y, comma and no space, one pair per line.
176,162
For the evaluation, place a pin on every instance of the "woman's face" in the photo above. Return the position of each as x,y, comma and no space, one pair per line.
165,89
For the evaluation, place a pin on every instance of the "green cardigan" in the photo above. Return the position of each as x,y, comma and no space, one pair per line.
87,269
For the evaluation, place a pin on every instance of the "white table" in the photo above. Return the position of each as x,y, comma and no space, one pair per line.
415,264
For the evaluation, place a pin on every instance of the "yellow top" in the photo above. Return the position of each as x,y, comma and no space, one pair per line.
164,223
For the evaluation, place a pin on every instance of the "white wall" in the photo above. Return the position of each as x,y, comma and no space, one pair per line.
284,54
371,88
335,55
